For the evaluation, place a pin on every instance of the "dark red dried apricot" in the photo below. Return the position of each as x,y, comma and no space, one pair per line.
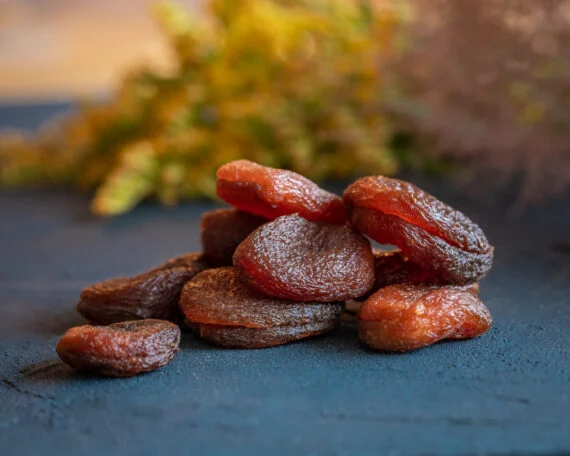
120,349
153,294
217,296
271,192
241,337
410,316
222,231
392,267
430,233
292,258
225,310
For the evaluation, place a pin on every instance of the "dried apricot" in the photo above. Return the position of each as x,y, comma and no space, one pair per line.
271,192
410,316
242,337
218,302
120,349
217,296
392,267
292,258
430,233
222,231
153,294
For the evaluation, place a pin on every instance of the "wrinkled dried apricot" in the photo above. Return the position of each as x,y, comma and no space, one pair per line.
410,316
224,308
430,233
292,258
153,294
217,296
120,349
393,267
222,231
271,192
242,337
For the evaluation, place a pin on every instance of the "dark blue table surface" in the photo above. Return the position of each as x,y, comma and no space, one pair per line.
505,393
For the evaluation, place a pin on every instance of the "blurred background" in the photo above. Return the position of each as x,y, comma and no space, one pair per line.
164,93
61,49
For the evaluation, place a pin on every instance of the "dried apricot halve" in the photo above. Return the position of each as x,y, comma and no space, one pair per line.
120,349
222,231
406,317
292,258
242,337
430,233
392,267
152,294
224,311
271,192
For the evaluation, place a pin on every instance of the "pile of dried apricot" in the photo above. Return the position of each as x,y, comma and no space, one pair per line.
280,266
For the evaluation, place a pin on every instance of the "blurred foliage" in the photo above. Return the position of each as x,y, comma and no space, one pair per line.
487,82
295,84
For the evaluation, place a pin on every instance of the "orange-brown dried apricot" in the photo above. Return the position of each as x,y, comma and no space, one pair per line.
430,233
153,294
406,317
222,231
271,192
292,258
223,310
120,349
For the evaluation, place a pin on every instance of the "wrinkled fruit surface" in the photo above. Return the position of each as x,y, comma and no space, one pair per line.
241,337
153,294
271,192
121,349
222,231
393,267
406,317
430,233
292,258
223,310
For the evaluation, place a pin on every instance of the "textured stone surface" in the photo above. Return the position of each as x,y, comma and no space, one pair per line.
507,392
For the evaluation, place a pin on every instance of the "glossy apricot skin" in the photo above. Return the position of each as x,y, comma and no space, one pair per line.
242,337
121,349
393,267
271,192
430,233
292,258
222,310
405,317
222,230
152,294
218,297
